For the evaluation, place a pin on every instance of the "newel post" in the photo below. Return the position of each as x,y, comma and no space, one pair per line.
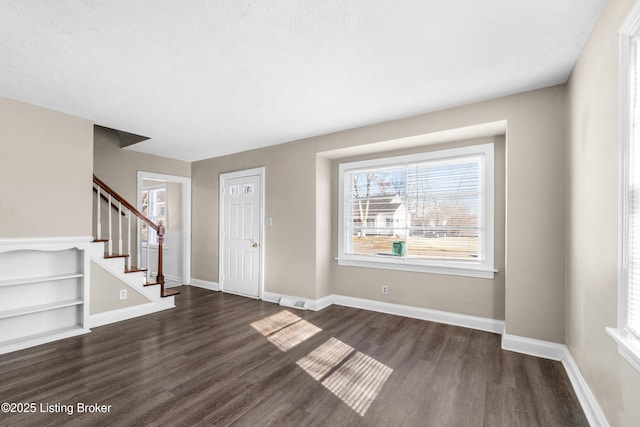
161,229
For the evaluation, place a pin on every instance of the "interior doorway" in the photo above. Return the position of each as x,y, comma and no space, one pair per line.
167,199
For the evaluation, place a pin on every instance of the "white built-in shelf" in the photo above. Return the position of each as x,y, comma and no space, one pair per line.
43,292
39,279
5,314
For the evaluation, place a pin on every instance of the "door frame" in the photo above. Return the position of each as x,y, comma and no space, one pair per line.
260,172
186,214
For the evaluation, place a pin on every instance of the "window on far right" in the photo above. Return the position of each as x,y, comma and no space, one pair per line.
627,334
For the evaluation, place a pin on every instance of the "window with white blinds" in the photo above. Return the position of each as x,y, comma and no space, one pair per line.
627,334
632,159
428,212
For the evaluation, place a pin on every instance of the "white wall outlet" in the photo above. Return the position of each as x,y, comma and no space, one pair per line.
385,289
123,294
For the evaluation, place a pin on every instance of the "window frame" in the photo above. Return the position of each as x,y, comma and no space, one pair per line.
628,344
150,206
470,268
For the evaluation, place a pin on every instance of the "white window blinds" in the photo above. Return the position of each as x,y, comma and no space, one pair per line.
433,209
632,247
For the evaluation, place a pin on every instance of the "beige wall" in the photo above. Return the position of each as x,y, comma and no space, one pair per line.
592,237
290,253
295,245
45,172
118,167
105,292
465,295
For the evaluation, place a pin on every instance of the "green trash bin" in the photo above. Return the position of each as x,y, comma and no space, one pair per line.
399,248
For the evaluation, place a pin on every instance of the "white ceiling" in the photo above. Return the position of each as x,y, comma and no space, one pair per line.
204,78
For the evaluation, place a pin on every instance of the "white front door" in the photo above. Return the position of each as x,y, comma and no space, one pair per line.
241,231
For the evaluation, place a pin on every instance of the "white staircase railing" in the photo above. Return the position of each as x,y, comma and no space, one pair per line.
106,198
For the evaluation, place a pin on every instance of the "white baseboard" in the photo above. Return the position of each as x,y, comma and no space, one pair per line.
554,351
473,322
172,281
532,347
590,406
274,298
322,303
212,286
127,313
312,304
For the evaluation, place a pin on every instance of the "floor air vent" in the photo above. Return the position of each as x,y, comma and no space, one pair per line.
293,303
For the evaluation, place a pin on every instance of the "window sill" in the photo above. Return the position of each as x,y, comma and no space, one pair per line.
628,348
451,270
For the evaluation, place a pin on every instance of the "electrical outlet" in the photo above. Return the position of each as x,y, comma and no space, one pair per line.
385,289
123,294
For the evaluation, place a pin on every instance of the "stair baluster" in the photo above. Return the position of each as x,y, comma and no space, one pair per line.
149,231
129,240
98,216
110,236
120,245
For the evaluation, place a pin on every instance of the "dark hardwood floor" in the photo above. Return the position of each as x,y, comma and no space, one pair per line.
219,359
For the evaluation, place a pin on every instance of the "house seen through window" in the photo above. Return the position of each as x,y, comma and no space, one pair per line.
430,210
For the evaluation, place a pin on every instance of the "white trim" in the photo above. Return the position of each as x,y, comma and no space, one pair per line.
628,348
473,322
533,347
322,303
101,319
168,278
313,305
560,352
260,172
186,213
204,284
482,268
590,406
43,243
464,320
386,264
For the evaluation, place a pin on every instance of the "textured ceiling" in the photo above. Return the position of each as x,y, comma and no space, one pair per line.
204,78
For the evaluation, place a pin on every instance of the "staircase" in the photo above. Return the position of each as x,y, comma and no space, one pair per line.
118,235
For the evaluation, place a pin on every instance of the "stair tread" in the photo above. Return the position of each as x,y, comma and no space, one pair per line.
108,256
170,292
100,240
134,270
152,283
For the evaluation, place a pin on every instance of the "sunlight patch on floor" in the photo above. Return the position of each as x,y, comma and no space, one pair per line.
351,375
285,330
323,359
275,322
